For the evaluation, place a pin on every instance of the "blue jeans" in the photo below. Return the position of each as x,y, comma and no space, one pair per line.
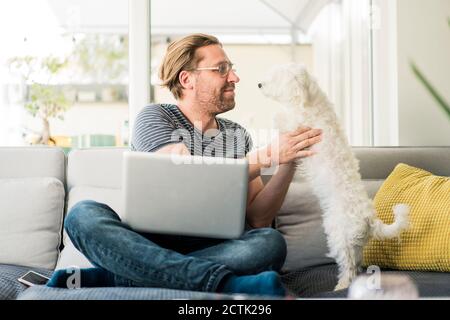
163,261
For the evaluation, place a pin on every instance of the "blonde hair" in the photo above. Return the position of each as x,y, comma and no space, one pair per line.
181,56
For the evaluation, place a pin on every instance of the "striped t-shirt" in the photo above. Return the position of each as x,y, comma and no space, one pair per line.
159,125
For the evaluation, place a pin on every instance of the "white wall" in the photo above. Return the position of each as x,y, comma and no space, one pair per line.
423,37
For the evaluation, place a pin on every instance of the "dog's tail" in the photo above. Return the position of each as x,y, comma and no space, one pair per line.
381,231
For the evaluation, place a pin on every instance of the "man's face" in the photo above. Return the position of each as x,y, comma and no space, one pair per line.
213,91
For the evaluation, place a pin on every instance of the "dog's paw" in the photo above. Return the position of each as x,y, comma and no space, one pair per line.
342,285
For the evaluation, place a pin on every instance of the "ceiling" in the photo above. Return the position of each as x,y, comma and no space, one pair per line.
249,17
289,18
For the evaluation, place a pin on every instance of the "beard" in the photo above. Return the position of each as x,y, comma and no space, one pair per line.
217,102
226,103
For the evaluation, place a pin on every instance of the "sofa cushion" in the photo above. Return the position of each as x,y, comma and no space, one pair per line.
110,196
10,288
119,293
95,167
31,217
70,256
92,174
378,163
426,244
300,222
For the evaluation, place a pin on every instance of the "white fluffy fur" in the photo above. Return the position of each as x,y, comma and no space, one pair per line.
349,216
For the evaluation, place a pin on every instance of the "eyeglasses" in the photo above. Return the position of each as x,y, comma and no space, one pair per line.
223,68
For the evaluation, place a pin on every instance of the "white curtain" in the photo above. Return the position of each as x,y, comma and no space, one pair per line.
343,64
3,116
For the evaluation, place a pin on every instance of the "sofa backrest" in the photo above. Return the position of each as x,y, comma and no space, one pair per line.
95,167
31,162
378,163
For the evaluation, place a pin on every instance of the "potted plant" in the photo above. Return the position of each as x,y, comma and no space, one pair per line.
44,101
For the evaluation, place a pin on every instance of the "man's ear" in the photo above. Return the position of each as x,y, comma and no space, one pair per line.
186,80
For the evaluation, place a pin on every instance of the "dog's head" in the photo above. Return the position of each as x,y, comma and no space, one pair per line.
289,83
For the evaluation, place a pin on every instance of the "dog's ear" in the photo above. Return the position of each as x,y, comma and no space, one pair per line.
308,87
302,86
313,89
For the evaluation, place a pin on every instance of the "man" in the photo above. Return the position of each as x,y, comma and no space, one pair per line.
199,74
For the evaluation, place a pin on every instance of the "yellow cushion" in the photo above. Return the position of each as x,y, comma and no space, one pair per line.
426,244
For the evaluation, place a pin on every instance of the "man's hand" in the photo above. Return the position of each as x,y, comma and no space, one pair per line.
292,146
284,150
175,149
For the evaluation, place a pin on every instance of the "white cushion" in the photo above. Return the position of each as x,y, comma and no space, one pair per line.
97,167
92,174
70,256
31,216
109,196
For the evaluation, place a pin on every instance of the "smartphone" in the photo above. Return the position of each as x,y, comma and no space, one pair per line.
32,278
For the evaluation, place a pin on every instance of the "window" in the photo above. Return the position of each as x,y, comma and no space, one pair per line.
64,73
67,77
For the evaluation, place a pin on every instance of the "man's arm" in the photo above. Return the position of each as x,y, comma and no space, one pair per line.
258,160
264,202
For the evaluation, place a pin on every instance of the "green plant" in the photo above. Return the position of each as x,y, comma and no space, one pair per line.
102,58
445,106
430,88
44,100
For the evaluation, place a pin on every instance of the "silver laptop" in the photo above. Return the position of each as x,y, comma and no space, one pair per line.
184,195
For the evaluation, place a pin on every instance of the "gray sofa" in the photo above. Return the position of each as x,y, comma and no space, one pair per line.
38,185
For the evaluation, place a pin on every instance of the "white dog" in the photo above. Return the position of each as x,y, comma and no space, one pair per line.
349,216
